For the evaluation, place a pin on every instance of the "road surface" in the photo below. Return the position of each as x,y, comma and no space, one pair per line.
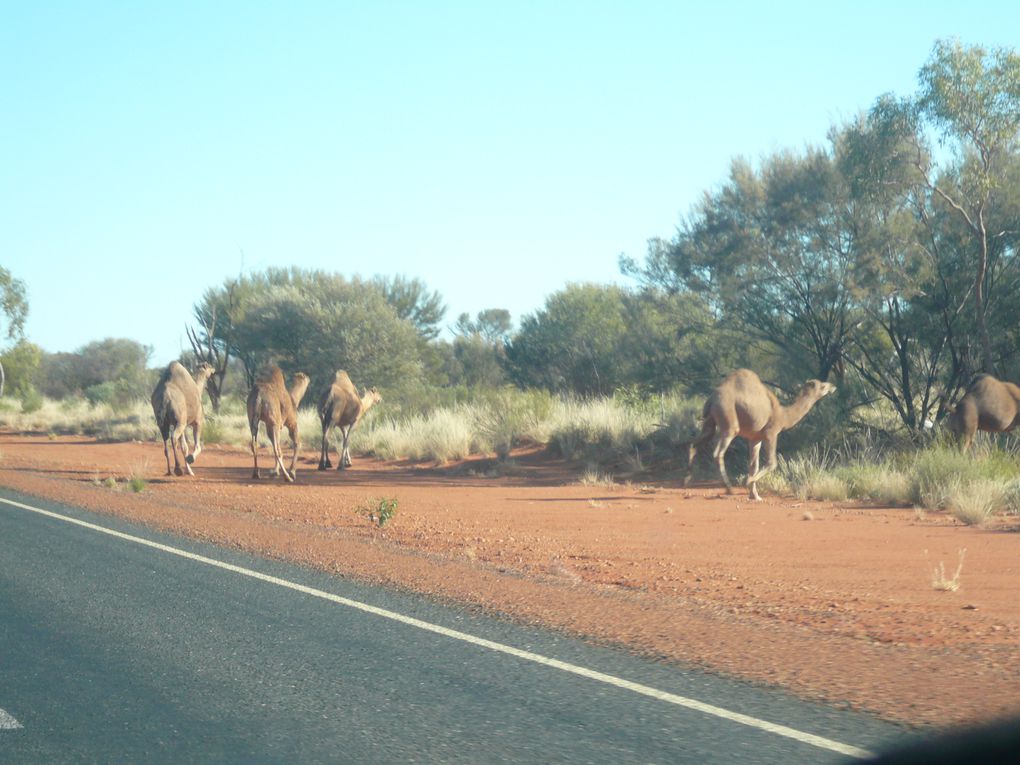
122,644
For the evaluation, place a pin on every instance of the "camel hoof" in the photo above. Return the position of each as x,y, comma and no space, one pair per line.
178,471
323,466
190,459
256,476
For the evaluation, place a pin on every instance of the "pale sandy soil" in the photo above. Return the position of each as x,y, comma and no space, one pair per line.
830,601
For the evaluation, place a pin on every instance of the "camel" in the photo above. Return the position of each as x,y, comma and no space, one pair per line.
340,406
270,402
990,405
177,404
171,418
742,406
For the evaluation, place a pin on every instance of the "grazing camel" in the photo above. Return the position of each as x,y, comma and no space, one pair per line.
340,406
742,406
270,402
177,403
989,404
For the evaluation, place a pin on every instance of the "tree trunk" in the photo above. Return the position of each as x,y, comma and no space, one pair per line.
987,364
3,379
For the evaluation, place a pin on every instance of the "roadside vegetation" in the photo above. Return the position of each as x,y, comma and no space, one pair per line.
885,260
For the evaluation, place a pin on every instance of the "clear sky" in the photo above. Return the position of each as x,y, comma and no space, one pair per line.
496,150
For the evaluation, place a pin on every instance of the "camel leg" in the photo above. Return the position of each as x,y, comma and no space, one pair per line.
770,459
719,453
274,440
185,455
175,438
707,431
166,453
196,436
293,460
324,462
255,454
345,458
752,469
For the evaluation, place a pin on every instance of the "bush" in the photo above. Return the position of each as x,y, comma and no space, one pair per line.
31,400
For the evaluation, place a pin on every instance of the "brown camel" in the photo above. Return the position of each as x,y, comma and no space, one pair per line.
989,404
177,404
340,406
742,406
270,402
193,388
171,418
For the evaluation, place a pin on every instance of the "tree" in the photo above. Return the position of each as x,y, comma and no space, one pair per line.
413,302
972,97
573,343
114,370
479,348
315,322
15,307
21,363
771,253
492,324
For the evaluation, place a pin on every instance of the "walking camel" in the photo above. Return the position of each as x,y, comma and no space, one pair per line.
270,402
990,405
742,406
177,404
340,406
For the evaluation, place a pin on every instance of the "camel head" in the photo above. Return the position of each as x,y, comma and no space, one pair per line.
370,399
813,390
204,371
298,386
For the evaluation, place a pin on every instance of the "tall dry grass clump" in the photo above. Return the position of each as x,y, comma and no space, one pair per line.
76,416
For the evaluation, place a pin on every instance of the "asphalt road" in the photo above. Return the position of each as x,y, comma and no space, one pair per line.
115,651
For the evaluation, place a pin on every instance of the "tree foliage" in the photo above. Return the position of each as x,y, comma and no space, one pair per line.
315,322
15,308
114,370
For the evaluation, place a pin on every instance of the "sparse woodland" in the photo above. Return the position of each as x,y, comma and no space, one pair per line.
884,260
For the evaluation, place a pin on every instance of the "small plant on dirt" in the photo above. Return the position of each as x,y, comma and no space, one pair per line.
381,512
136,477
940,582
110,483
594,477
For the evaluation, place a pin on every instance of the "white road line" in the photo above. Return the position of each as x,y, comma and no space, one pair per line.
7,722
672,698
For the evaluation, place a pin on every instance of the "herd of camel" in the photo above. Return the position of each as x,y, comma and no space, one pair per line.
740,405
177,404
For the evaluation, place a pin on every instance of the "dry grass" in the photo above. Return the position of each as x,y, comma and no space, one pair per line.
974,503
595,477
941,582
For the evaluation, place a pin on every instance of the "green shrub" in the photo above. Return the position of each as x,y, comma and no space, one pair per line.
381,512
31,400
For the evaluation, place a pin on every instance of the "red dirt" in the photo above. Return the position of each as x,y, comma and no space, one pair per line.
831,601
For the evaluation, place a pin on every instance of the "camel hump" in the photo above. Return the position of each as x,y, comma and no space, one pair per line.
341,376
271,374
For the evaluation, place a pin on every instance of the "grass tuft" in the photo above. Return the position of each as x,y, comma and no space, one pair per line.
941,582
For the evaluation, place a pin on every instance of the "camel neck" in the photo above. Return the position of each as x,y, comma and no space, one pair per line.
797,409
297,391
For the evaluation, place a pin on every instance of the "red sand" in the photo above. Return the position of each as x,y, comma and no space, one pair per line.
831,601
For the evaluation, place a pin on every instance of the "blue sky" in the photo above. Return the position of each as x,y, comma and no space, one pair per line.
497,151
